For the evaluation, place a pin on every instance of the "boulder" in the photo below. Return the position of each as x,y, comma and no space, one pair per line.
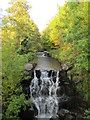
63,112
64,67
66,114
28,66
38,74
26,73
54,118
69,117
46,53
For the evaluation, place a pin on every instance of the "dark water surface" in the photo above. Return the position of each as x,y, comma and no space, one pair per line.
47,63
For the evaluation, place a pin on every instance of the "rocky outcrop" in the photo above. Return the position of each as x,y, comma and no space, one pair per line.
64,66
66,114
28,75
68,98
28,66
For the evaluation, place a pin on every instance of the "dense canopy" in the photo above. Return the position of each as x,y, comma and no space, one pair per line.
65,38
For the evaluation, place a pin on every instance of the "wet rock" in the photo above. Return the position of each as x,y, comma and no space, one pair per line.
60,91
80,117
69,117
70,68
54,79
38,74
68,102
39,82
28,114
49,73
63,76
54,118
66,95
66,114
64,67
31,74
46,53
25,83
69,90
28,66
35,109
40,53
63,112
45,91
71,103
54,73
26,73
26,89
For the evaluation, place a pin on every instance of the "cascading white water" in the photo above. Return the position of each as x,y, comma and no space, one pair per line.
43,94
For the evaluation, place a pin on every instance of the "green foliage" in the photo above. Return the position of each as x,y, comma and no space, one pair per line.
66,38
20,29
19,38
87,114
15,106
13,67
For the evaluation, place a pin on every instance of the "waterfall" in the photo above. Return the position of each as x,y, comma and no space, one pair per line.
43,92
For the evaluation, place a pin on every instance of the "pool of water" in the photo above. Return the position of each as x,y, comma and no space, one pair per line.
47,63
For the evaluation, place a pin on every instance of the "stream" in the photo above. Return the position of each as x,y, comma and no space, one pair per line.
54,96
44,90
47,63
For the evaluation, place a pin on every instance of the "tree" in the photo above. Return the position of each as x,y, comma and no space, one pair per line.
19,38
68,33
18,21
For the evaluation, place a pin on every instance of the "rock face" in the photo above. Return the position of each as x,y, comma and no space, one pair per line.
67,96
25,88
26,79
64,66
26,73
66,114
28,114
63,112
28,66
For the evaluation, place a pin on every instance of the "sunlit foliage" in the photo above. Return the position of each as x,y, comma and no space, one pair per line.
19,37
66,38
